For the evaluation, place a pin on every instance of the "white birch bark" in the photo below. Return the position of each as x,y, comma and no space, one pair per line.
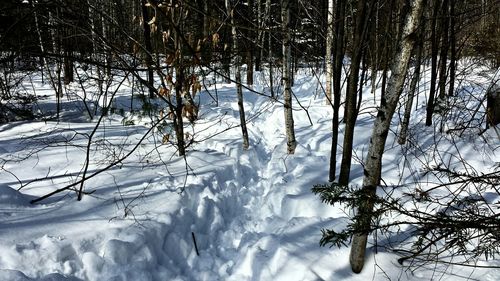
380,131
237,76
287,95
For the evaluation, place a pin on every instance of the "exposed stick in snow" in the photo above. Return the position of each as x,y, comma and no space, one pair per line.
195,245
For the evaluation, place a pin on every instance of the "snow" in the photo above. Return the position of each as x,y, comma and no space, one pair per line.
251,212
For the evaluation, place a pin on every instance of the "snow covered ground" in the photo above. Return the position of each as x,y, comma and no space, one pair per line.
251,212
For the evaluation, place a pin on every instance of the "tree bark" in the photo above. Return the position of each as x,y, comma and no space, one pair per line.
374,55
352,91
443,56
387,47
287,95
237,71
250,67
434,58
492,107
270,48
373,165
453,49
68,68
405,123
148,46
337,83
260,36
329,47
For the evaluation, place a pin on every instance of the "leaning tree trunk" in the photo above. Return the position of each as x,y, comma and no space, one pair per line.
373,164
287,95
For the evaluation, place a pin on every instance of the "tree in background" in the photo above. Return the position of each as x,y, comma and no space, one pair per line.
287,61
237,73
340,9
363,13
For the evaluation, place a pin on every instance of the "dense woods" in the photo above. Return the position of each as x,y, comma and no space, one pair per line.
159,37
172,49
174,45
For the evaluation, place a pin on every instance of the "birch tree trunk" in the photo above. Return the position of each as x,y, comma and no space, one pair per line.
373,164
287,95
237,71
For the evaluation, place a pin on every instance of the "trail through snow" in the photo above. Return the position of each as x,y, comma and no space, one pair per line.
251,212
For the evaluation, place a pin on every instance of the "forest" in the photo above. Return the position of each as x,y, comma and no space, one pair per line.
249,140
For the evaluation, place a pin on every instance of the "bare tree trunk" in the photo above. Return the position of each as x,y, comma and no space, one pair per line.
250,67
270,48
42,47
352,91
56,45
237,71
413,86
364,68
453,49
443,56
180,78
149,48
329,47
260,37
374,55
434,55
337,83
179,125
287,95
373,164
387,47
68,68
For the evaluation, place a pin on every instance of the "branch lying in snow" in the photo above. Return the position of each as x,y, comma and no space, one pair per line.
70,186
